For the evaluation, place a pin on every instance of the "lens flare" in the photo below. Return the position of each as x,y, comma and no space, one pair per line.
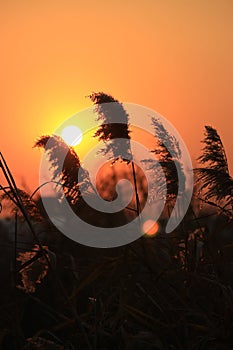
150,228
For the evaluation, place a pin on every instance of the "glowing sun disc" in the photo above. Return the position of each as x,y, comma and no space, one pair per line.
72,135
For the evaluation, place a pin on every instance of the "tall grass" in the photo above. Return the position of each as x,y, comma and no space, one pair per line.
179,295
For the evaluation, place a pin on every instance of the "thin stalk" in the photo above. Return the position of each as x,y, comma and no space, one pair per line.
138,209
15,248
20,205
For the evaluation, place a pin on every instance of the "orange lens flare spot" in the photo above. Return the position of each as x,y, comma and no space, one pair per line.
150,228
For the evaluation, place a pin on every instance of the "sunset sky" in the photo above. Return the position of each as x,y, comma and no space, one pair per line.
174,56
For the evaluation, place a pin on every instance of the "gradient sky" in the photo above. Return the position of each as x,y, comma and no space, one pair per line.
174,56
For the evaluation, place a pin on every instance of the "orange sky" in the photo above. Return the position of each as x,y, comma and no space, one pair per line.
174,56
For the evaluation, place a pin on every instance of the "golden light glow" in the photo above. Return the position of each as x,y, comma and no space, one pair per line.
72,135
150,228
57,60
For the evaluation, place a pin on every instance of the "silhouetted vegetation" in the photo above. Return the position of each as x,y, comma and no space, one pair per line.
166,291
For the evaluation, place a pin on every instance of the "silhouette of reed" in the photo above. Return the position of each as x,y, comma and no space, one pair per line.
177,295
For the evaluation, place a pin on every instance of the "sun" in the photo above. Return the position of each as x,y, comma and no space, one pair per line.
72,135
